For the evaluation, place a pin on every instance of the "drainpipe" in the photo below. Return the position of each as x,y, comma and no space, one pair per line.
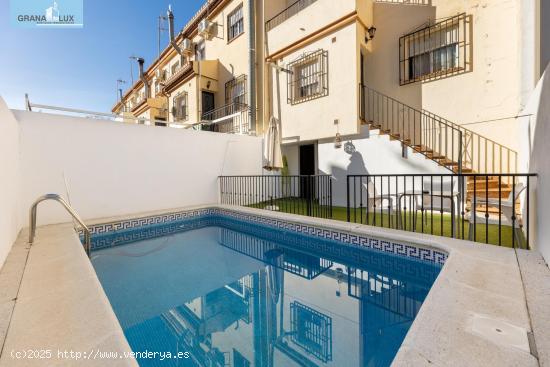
172,37
142,77
252,64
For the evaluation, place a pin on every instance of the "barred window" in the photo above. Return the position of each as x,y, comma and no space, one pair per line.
434,51
309,77
235,91
157,87
179,107
235,23
175,67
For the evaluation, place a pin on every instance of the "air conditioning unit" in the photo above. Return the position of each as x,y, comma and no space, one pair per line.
187,46
206,28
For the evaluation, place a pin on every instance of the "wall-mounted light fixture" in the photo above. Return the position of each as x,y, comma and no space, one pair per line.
337,138
370,34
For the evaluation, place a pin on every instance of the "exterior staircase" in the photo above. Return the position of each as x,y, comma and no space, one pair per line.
448,144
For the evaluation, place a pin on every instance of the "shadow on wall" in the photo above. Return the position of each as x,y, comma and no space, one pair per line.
356,166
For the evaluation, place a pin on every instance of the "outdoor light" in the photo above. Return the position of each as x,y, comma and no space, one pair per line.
370,34
337,141
337,138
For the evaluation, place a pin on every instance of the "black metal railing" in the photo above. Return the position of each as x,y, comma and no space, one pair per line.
232,118
288,12
305,195
423,132
481,154
453,146
485,208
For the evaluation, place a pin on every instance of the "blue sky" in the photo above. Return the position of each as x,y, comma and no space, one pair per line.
79,67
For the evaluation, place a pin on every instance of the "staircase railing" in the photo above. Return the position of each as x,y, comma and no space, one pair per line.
481,154
449,144
435,138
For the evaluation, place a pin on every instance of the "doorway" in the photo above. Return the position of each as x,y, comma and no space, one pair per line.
207,101
307,160
207,104
307,168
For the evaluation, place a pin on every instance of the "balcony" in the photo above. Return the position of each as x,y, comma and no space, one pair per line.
303,18
208,69
290,11
232,118
181,73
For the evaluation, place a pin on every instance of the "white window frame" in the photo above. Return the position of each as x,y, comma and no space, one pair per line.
235,23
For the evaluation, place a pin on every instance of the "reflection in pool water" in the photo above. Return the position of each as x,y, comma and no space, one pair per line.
234,294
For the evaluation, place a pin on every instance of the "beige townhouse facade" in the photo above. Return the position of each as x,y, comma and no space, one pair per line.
401,85
203,76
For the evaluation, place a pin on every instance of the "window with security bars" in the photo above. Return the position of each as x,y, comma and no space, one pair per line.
179,108
311,330
235,91
235,23
435,51
308,78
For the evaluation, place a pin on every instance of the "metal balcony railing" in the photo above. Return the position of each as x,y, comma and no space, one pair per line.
181,70
291,10
232,118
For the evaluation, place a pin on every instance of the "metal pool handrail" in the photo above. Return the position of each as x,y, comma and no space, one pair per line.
72,212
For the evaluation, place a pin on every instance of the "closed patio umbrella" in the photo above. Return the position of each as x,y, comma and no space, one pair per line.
273,156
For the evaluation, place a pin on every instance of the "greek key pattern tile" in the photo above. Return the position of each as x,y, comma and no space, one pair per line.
387,246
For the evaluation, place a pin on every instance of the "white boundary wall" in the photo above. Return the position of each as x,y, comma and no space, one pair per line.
108,168
9,180
535,158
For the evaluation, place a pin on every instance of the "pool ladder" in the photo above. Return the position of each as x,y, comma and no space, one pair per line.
72,212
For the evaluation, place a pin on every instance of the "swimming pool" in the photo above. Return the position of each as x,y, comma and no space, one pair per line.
224,288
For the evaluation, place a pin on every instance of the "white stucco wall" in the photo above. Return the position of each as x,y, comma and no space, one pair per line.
536,137
115,169
307,21
314,119
374,154
9,180
487,97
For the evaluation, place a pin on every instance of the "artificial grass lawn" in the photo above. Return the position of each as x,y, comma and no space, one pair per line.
441,223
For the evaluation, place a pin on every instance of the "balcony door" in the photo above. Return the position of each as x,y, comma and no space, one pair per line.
207,101
207,105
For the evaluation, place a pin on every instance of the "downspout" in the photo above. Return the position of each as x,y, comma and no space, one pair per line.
252,64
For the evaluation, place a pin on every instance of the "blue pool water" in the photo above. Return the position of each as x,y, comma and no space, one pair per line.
231,293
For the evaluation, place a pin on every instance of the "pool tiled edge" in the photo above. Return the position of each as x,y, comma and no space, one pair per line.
409,250
470,283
